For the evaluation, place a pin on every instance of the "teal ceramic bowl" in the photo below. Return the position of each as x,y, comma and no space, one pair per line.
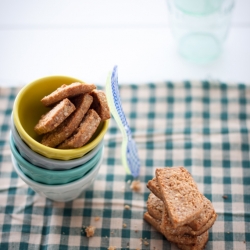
64,192
52,177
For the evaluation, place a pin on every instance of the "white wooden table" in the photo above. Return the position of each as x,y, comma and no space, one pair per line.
85,39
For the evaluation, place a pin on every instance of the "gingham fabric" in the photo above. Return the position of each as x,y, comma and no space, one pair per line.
202,126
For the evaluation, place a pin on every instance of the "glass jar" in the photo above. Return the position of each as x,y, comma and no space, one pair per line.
200,27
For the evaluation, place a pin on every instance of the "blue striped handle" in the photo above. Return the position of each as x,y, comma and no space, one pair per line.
130,156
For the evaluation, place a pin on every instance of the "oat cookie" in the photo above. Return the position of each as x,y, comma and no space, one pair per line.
155,206
157,210
199,245
66,91
180,195
153,186
54,117
66,128
84,132
100,104
185,229
185,239
207,216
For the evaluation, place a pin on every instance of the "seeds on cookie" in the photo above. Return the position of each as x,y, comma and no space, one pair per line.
100,104
66,128
66,91
54,117
84,132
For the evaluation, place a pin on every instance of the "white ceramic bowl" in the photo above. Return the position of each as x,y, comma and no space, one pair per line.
61,193
41,161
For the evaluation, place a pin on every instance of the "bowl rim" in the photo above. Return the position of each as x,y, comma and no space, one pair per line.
47,187
57,164
66,154
59,173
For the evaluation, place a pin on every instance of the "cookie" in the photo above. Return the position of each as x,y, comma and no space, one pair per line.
155,206
67,91
199,245
54,117
66,128
180,239
100,104
207,216
180,195
84,132
153,186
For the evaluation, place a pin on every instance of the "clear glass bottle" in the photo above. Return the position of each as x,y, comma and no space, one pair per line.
200,27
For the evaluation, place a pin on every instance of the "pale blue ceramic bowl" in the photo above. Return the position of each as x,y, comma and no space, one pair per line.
52,177
44,162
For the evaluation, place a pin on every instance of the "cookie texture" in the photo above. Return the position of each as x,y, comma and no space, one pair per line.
153,186
207,216
54,117
66,128
185,239
177,209
84,132
199,245
155,206
100,104
180,195
157,210
67,91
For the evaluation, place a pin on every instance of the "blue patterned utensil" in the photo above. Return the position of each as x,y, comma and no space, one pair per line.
130,158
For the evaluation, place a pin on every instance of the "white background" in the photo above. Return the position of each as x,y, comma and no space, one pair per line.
85,39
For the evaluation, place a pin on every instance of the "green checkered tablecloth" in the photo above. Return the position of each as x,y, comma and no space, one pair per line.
203,126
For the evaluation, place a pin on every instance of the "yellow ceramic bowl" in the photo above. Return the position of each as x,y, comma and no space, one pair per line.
28,109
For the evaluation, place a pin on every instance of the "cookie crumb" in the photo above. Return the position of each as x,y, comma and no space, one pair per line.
146,243
224,197
111,248
127,207
136,185
90,231
124,225
97,218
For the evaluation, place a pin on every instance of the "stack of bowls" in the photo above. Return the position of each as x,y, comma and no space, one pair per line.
58,174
